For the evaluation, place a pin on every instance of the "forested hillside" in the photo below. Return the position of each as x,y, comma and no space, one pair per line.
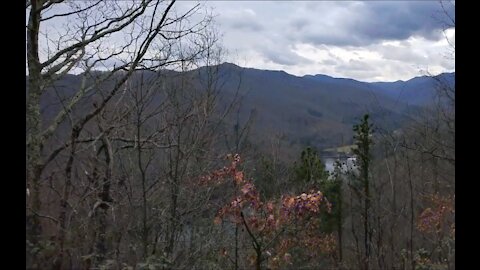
300,111
146,150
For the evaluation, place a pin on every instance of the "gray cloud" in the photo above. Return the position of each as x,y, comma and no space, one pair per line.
329,62
270,33
286,58
365,23
399,20
247,25
299,24
354,65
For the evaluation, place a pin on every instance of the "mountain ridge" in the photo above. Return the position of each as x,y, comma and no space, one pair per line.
316,110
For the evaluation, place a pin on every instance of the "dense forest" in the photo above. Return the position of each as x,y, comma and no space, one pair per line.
141,155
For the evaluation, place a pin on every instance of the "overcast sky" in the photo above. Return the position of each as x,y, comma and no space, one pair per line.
368,41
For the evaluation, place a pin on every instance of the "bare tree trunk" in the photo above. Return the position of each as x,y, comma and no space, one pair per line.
394,211
366,238
33,121
340,224
64,201
174,160
354,232
258,261
104,203
412,213
236,239
143,179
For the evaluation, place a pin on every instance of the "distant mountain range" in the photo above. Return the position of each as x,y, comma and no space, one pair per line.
315,110
320,110
416,91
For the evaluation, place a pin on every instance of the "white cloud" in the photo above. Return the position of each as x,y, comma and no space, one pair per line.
390,40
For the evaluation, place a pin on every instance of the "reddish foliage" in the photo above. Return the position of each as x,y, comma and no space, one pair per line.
439,217
272,222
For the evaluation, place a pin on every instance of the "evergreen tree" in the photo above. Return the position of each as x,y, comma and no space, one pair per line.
309,170
363,140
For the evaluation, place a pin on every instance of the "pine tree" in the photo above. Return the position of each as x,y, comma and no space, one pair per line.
363,140
309,171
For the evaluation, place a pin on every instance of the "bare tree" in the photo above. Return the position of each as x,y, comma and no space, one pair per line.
104,42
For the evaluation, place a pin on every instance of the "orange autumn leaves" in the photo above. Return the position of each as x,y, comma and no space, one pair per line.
271,222
440,217
305,203
248,200
219,176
